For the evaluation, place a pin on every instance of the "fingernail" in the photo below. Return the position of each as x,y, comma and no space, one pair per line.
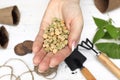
35,64
40,71
52,64
73,46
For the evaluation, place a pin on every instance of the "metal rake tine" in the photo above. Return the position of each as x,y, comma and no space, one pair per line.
89,43
84,45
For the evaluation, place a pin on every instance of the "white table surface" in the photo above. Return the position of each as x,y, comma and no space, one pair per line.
31,16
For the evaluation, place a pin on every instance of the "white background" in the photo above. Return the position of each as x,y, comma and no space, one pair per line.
31,16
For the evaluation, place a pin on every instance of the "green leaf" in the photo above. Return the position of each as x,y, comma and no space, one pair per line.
119,36
111,49
118,33
112,31
100,22
107,36
99,34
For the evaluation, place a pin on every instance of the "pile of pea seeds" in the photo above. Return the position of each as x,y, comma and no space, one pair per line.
55,36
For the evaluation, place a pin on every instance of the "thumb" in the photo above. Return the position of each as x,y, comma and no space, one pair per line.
75,32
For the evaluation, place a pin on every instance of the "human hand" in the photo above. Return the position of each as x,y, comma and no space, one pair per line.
70,12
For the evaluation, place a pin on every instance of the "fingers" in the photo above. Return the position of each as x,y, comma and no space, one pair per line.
60,56
38,57
51,60
37,45
75,31
42,59
44,64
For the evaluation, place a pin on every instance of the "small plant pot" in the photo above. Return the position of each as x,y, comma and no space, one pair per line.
107,5
9,15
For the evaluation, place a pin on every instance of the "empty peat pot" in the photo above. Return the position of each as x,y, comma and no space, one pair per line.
9,15
107,5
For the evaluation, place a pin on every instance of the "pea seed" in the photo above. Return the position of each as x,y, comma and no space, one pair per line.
55,50
44,35
57,32
47,49
66,42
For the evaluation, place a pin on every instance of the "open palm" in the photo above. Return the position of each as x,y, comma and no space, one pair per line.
70,12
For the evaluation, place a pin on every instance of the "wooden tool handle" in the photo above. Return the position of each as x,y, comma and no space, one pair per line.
109,64
87,74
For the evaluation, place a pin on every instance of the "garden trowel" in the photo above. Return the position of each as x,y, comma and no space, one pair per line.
75,61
